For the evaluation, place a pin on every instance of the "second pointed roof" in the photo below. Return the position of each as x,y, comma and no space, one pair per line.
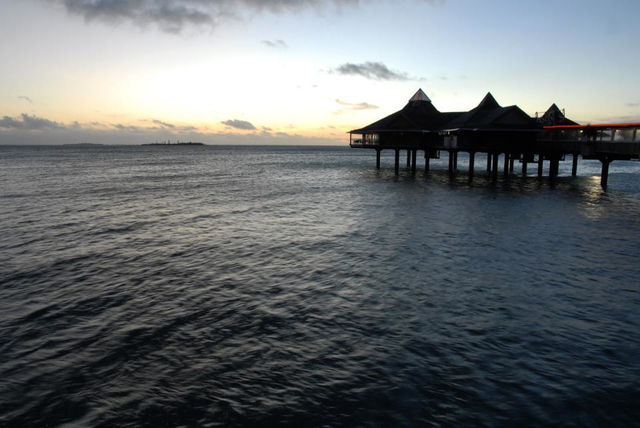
489,114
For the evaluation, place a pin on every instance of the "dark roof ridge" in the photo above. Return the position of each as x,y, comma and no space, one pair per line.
488,102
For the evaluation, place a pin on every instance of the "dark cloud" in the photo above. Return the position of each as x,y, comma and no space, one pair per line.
173,16
275,44
169,16
371,70
239,124
127,128
25,98
163,124
29,122
167,126
357,106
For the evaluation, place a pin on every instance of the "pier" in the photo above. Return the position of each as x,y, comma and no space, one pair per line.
504,134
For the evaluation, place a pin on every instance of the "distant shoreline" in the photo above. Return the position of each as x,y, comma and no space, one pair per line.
190,143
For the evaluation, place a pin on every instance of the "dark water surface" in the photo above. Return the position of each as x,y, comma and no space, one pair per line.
217,286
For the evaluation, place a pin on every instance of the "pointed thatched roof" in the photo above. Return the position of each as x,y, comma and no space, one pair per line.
488,103
491,115
420,96
555,116
419,115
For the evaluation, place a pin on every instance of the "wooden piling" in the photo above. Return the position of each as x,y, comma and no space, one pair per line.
488,162
378,158
414,153
450,167
540,165
524,167
506,165
494,167
604,174
427,158
455,161
472,161
409,158
553,168
574,166
397,162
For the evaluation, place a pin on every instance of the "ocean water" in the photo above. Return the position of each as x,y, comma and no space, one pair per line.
299,286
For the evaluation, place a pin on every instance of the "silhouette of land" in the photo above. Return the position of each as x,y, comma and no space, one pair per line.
179,143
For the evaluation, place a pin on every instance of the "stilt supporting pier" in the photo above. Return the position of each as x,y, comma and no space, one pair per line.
397,162
506,165
553,168
604,175
511,159
540,165
450,167
574,166
427,158
455,161
409,158
488,162
494,167
414,153
472,161
378,158
524,167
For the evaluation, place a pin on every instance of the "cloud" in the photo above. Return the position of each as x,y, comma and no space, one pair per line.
169,16
278,44
163,124
167,126
173,16
371,70
127,128
29,122
25,98
633,104
239,124
357,106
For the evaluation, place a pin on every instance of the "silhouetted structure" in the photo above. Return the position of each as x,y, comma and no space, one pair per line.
554,116
495,130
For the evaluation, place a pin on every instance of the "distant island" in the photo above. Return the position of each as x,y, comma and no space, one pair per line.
83,144
179,143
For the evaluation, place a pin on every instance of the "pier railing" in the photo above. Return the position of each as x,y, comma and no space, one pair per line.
622,141
366,140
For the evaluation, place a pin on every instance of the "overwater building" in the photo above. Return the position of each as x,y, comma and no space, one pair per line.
497,131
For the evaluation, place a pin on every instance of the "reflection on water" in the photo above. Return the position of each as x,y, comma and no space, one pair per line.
197,286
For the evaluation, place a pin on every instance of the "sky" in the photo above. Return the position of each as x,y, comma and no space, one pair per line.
300,72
